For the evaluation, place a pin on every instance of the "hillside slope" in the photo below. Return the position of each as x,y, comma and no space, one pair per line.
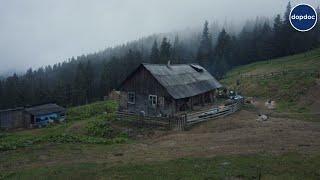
292,81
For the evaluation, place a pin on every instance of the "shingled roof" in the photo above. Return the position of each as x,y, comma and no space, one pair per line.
45,109
183,80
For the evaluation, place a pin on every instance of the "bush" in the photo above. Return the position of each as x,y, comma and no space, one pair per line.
101,127
71,138
3,135
88,111
15,143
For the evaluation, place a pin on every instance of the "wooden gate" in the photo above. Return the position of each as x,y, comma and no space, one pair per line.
179,122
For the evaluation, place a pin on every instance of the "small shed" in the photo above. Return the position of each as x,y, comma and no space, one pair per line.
12,118
44,114
32,116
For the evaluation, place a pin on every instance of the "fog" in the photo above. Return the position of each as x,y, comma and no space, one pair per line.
41,32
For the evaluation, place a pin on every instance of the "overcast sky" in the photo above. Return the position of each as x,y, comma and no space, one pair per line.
41,32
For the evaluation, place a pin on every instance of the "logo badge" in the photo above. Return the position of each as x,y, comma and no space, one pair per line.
303,17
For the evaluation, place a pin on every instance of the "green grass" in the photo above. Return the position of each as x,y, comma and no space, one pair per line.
91,110
287,89
62,133
304,61
288,166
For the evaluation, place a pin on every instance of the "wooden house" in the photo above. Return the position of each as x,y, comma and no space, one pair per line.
163,90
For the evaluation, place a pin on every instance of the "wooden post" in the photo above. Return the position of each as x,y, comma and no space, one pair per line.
191,103
202,99
185,121
211,97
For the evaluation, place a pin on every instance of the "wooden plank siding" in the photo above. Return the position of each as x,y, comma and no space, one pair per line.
144,84
178,88
12,119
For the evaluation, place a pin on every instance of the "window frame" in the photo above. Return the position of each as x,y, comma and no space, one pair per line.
134,97
151,100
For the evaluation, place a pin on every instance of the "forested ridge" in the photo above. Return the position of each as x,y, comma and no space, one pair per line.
87,78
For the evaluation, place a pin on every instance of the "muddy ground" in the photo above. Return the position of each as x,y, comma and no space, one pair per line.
239,133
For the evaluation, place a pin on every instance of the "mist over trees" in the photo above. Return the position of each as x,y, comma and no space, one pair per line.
89,77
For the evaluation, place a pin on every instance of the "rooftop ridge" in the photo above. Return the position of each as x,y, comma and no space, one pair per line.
187,64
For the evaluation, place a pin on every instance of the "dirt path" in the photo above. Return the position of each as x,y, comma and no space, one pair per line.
240,133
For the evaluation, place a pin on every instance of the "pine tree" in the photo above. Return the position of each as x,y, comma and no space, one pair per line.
12,91
89,78
223,44
154,55
165,51
133,58
176,51
288,33
278,43
317,29
79,87
222,53
205,48
1,93
286,17
266,48
30,89
104,79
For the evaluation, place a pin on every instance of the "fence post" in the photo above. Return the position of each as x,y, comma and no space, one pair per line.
184,122
179,123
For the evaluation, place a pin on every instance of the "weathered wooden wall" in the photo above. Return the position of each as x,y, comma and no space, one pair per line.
12,119
143,84
201,99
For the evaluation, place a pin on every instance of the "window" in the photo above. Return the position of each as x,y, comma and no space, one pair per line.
153,100
161,101
131,97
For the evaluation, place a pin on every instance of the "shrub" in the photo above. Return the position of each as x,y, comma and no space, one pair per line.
99,128
88,111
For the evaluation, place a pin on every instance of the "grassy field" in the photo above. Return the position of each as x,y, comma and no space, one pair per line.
85,124
263,166
288,90
235,147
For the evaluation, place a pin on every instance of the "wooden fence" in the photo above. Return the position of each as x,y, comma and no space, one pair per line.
144,120
181,122
307,72
198,117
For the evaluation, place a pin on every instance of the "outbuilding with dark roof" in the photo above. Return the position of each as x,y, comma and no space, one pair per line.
46,113
40,115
